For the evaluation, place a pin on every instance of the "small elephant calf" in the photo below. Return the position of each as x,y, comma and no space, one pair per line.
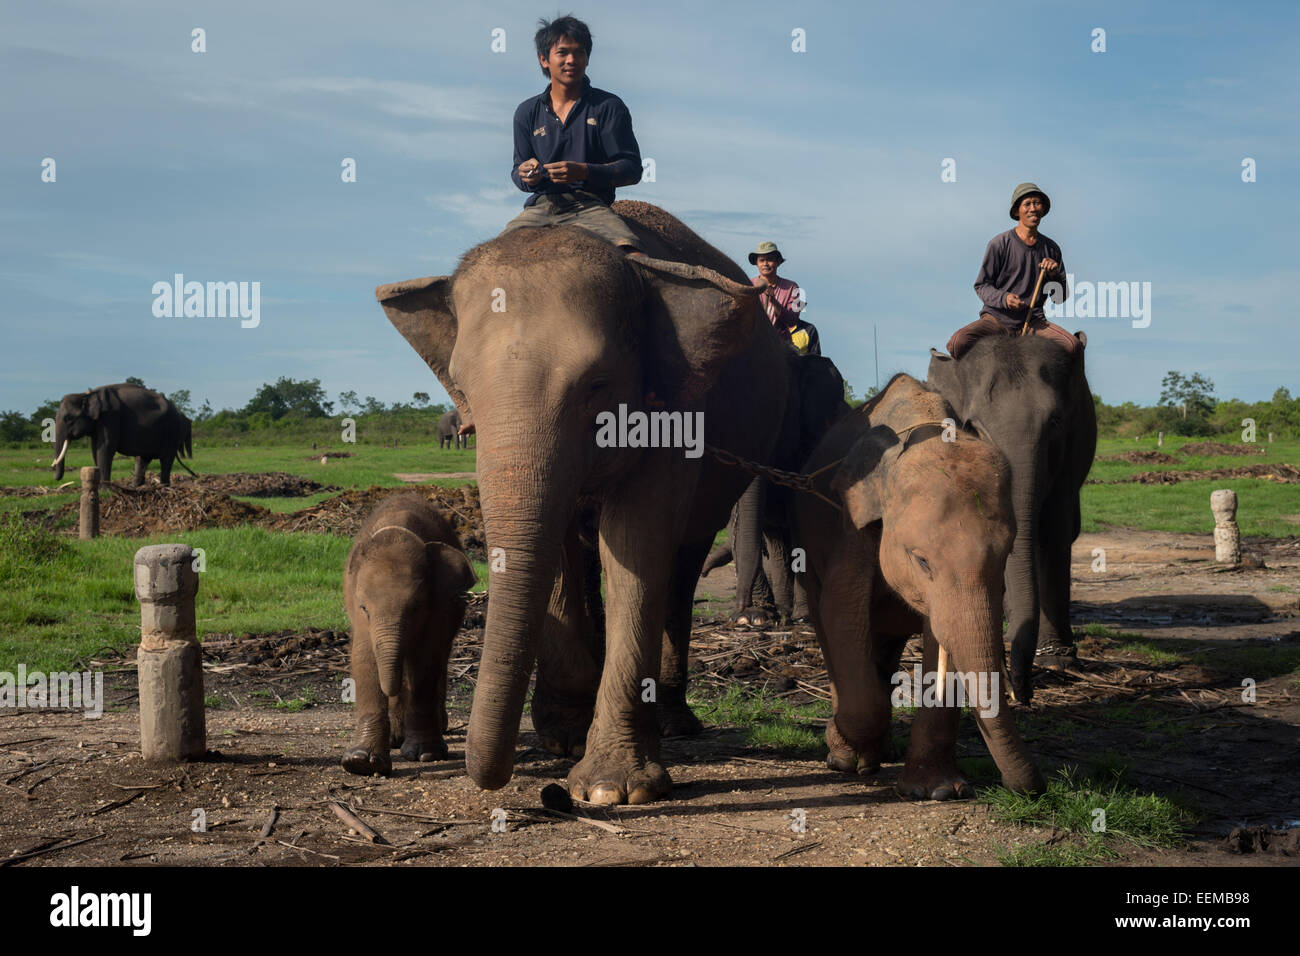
404,588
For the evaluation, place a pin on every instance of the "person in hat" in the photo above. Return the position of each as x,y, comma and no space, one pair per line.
573,143
783,300
1007,277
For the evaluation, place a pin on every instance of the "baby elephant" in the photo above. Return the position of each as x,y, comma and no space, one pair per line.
917,544
404,587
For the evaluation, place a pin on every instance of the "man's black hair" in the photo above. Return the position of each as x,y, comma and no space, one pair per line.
553,31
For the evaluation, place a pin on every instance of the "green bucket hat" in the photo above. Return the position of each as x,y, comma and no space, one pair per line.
766,249
1028,189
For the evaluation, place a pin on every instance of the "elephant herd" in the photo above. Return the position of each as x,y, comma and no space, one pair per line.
931,509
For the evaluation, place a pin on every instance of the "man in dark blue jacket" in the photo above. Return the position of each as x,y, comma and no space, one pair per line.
573,143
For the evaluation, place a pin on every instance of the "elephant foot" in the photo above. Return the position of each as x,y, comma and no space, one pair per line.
676,719
365,761
1056,655
562,722
933,782
616,778
755,617
845,758
424,749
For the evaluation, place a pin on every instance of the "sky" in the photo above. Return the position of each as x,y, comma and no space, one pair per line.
225,165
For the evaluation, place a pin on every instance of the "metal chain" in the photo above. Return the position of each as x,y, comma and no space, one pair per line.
787,479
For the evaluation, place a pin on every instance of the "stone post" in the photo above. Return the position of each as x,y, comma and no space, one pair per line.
1227,536
170,665
89,527
1270,438
1160,439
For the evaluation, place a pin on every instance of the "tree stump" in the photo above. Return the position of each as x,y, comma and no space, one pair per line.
170,666
1227,536
89,525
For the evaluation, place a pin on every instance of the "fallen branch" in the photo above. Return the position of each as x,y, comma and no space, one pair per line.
356,823
7,861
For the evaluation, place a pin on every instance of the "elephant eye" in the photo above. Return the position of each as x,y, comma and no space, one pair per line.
923,564
364,610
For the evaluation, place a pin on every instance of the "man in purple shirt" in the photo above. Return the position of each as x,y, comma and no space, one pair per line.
1008,275
573,143
783,300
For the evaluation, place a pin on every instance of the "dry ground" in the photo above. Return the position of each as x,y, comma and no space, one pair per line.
1187,732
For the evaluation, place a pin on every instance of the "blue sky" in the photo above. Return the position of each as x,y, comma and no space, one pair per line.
225,166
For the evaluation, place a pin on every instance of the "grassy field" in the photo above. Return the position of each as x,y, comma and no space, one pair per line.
61,598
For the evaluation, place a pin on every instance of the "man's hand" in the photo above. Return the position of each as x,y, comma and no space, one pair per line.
530,172
566,172
1013,301
1052,266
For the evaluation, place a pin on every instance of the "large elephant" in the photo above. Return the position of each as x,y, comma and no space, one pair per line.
916,542
449,430
1031,397
759,538
123,419
547,338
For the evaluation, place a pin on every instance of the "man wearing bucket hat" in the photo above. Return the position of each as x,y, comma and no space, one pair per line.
1009,279
783,300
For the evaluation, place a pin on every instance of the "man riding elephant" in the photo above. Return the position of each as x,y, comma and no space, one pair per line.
1009,278
573,143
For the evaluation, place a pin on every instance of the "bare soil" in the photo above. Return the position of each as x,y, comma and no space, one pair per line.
1183,727
1218,448
1283,474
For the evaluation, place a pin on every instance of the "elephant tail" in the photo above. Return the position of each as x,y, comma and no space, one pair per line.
186,444
186,467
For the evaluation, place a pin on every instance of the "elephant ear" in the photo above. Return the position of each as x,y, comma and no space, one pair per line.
696,320
860,479
101,401
943,376
421,310
453,572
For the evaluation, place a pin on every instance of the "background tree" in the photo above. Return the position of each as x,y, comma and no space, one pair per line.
1194,396
305,399
181,399
348,401
132,380
421,398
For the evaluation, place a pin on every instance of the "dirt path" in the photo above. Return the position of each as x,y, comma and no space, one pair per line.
1181,724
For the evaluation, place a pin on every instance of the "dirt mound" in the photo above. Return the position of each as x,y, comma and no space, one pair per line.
271,484
1142,458
317,456
153,509
343,514
1218,448
1283,474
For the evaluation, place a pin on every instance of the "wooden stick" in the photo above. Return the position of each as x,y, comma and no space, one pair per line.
7,861
355,822
1033,299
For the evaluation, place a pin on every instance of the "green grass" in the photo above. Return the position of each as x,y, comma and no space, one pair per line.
1185,507
1131,817
304,700
768,722
370,464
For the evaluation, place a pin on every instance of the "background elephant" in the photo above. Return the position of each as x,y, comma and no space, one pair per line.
759,531
123,419
1032,399
918,545
404,588
588,331
449,430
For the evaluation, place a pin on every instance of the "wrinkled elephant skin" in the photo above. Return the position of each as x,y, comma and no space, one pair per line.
122,419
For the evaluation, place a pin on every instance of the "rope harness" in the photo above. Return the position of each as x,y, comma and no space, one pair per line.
397,527
796,480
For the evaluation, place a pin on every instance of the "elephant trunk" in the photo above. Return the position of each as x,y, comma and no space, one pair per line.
1021,578
527,506
387,638
972,635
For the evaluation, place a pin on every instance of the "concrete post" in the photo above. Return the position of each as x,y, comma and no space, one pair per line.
1227,536
170,666
89,527
1160,439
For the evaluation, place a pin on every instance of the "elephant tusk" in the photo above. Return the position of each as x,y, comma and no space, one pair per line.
62,451
943,669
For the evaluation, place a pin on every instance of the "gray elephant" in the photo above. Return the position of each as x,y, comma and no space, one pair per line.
449,430
127,420
404,588
594,385
1031,398
916,541
759,538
